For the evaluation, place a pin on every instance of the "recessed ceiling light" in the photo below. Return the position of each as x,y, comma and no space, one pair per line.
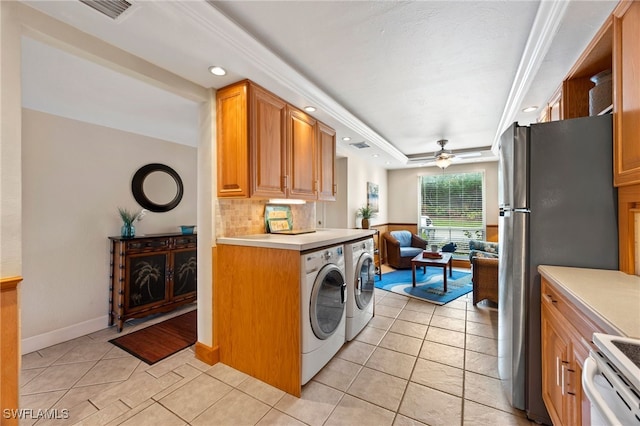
309,109
375,155
387,162
216,70
346,138
530,109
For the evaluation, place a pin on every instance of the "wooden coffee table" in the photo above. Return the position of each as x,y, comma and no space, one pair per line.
423,262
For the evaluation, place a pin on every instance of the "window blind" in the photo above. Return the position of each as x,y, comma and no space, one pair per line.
452,209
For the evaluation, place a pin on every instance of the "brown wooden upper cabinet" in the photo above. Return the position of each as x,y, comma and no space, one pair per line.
571,100
301,143
615,47
269,149
626,94
327,165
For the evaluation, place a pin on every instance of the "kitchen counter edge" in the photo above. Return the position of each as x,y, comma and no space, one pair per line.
300,242
611,298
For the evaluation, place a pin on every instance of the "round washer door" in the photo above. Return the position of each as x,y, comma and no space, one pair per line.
327,301
365,273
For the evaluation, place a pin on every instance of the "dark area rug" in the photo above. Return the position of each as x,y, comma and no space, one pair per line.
158,341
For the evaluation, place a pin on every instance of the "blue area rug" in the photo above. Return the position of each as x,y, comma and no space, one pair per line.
429,286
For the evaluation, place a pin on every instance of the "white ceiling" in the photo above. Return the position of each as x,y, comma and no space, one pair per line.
398,75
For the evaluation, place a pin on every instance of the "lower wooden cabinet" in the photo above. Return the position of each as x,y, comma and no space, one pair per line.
151,274
257,314
555,361
566,341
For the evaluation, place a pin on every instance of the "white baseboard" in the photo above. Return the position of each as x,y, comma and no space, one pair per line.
35,343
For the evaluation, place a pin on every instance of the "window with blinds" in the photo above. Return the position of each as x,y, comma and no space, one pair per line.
452,209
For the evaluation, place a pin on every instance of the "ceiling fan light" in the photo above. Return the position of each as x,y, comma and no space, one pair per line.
443,162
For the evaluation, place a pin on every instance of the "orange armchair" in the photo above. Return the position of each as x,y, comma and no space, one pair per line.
484,267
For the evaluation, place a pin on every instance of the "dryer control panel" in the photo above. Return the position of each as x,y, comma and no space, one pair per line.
312,262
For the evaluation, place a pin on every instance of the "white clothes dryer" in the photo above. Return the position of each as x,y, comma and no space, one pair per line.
361,272
323,298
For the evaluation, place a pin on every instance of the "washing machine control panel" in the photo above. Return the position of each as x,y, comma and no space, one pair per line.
314,261
331,254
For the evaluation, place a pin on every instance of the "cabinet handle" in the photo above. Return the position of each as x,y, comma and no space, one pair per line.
562,386
335,189
285,181
551,299
571,371
557,371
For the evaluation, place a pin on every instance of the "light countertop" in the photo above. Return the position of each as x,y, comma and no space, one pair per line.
302,242
612,296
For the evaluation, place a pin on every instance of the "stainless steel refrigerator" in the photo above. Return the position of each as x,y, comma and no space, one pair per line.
558,206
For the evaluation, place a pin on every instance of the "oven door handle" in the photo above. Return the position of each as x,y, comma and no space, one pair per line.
589,373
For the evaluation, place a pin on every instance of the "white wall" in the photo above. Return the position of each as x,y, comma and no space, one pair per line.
75,175
19,20
359,172
403,190
334,213
10,151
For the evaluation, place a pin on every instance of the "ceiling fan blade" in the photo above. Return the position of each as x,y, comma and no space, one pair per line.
469,154
455,155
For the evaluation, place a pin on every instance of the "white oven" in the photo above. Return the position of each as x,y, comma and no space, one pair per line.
611,380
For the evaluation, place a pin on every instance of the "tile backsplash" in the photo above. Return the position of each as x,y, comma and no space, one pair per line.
246,216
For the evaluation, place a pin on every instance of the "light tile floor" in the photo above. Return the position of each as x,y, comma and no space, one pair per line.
415,363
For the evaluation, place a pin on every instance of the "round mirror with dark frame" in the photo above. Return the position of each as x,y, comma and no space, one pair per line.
157,187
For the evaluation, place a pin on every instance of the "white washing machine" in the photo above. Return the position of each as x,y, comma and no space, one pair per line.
323,300
361,272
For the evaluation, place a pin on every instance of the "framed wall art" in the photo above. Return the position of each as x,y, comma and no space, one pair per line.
372,197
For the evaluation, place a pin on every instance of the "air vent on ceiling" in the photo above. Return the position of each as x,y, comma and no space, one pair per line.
111,8
360,145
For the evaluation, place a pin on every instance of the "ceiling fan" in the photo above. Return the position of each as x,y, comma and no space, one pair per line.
444,157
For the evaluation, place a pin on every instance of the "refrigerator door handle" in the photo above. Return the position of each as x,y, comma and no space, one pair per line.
522,210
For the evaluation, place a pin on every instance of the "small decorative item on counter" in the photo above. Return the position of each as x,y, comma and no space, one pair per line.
366,213
187,229
128,218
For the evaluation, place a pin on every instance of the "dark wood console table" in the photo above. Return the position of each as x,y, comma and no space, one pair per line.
151,274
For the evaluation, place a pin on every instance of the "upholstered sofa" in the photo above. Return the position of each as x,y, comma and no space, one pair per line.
484,270
402,246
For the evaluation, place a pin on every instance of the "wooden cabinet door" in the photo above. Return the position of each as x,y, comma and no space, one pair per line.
301,150
232,143
578,400
555,362
326,163
267,141
184,272
626,77
146,281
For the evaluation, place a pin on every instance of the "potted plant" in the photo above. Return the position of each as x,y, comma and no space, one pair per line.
128,218
365,212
